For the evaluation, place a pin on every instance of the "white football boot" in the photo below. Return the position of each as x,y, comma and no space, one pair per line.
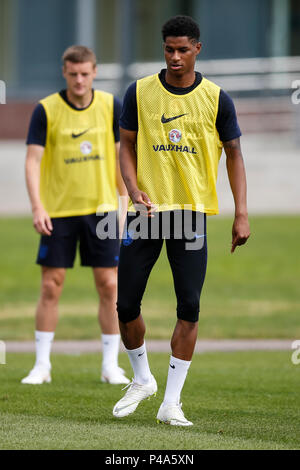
115,376
134,395
37,376
173,415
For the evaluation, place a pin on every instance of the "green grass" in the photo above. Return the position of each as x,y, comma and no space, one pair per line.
253,293
245,400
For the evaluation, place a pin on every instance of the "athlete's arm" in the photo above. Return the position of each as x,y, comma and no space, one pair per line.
237,178
128,164
41,220
120,183
123,195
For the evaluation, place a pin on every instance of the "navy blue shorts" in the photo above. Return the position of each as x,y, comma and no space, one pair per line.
59,249
187,258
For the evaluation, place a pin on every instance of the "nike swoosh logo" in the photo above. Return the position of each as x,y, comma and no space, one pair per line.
74,136
171,365
139,355
164,120
123,407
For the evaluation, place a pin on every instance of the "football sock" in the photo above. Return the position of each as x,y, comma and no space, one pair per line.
43,343
178,370
110,351
139,362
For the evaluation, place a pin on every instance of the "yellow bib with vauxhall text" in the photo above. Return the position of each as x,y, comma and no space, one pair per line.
178,146
78,168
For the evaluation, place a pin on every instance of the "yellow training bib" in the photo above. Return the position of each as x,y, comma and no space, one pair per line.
178,146
78,168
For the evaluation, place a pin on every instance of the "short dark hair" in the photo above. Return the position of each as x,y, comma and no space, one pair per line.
181,25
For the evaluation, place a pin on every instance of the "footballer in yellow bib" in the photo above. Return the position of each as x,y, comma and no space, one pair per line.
72,176
174,125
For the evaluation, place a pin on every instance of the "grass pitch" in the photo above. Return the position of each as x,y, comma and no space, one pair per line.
253,293
245,400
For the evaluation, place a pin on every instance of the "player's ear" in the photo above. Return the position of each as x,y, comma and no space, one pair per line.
198,47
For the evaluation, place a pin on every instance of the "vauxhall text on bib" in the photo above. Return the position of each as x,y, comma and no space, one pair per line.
178,146
78,166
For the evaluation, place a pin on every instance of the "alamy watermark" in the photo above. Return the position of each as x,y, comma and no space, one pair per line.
296,354
2,92
296,94
184,223
2,352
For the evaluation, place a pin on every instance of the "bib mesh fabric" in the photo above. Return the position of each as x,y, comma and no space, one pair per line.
178,146
78,166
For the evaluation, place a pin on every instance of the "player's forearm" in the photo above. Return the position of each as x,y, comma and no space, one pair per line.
238,184
32,172
119,180
120,183
237,176
123,195
128,165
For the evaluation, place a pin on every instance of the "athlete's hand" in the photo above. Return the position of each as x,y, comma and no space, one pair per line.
240,231
42,222
141,200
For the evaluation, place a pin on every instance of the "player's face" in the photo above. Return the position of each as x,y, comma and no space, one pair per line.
79,77
180,54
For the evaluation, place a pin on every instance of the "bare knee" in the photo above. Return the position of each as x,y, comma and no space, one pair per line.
107,289
51,287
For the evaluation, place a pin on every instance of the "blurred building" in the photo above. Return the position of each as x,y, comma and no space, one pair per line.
240,41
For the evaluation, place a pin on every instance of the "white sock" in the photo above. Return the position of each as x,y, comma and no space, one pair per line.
43,343
139,362
178,370
110,351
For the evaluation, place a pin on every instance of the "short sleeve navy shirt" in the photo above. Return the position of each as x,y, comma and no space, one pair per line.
226,122
38,125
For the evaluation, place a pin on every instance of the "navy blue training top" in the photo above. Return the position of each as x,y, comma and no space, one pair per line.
38,124
226,122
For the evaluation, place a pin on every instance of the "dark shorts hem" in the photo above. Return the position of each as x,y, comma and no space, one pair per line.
126,316
190,318
54,265
99,265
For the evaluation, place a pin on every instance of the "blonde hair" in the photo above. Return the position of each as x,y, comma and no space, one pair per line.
79,54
